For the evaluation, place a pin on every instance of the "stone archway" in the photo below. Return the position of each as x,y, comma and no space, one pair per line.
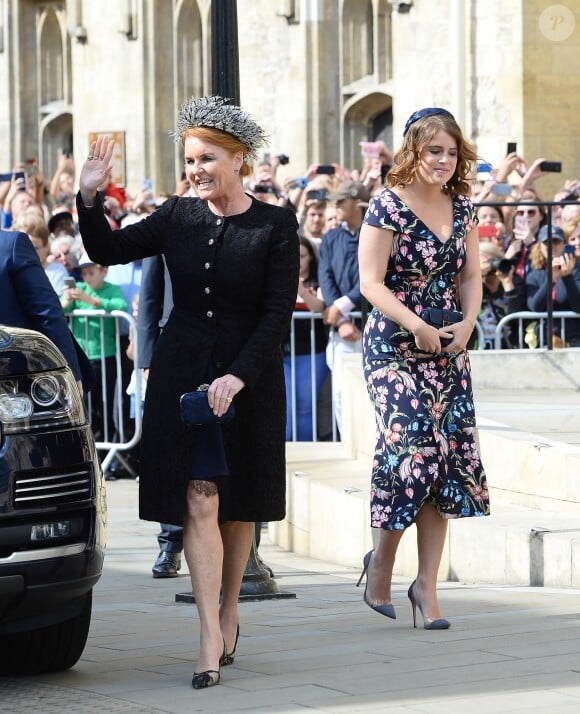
56,136
366,118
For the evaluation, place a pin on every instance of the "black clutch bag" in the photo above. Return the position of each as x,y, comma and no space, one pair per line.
196,411
439,318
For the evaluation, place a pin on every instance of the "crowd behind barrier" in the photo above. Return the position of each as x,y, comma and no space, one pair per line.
117,435
534,327
531,284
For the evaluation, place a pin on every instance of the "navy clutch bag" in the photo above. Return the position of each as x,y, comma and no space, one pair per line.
439,318
195,409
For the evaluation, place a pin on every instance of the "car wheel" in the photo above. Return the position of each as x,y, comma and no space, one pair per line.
48,649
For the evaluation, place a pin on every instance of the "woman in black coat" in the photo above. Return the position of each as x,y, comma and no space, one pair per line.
233,263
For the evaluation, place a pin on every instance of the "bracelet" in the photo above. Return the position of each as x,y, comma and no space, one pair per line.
470,322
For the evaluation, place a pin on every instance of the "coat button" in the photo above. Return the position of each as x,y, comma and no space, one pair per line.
211,241
209,313
207,266
219,221
207,291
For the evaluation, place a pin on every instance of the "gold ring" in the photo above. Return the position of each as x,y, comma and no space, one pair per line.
229,400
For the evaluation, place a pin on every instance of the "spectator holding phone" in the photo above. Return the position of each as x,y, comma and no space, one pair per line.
565,285
504,292
491,226
16,201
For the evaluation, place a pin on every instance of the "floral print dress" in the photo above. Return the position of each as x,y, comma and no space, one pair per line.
425,449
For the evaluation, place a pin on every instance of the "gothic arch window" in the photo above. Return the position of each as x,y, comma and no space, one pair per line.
52,65
357,40
189,50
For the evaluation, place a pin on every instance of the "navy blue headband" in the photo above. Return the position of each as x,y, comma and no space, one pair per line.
427,112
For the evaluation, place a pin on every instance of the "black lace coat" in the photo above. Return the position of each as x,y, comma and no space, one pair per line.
234,285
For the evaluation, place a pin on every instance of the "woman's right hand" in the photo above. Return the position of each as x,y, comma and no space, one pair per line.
427,338
96,169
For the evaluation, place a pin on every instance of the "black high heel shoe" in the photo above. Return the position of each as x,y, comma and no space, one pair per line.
429,624
387,609
209,678
228,658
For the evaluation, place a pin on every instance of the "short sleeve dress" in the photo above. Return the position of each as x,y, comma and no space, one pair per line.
425,446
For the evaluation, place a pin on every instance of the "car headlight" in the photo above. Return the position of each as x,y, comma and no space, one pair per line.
50,399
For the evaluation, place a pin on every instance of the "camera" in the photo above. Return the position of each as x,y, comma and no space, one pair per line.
500,265
264,188
283,159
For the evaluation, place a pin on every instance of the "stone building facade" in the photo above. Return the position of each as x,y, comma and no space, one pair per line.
321,75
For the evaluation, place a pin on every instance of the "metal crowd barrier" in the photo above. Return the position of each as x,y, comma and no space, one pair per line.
120,441
312,316
543,322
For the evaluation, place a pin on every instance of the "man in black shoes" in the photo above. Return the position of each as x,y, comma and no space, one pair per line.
155,304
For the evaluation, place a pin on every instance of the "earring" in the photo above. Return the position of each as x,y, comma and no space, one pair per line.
236,171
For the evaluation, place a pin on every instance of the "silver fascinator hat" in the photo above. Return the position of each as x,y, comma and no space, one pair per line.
215,112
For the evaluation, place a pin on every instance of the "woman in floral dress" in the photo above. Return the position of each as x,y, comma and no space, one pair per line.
419,249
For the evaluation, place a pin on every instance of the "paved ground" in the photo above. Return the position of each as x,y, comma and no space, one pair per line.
509,649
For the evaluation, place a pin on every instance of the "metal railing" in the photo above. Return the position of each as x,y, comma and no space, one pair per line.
118,442
542,327
312,317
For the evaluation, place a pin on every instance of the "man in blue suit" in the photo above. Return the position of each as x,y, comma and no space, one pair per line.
28,300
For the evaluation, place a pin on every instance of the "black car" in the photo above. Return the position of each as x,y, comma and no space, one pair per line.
52,508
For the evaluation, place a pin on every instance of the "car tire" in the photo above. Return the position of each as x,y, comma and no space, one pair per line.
48,649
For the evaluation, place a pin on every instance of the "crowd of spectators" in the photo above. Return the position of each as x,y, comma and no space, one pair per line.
518,235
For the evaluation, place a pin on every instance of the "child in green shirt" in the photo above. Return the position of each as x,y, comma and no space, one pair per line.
94,293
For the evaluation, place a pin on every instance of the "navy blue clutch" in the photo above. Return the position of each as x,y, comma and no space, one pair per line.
438,317
196,411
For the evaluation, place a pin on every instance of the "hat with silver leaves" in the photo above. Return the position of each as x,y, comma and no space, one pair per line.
215,112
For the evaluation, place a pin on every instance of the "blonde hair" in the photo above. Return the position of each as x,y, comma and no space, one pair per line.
571,226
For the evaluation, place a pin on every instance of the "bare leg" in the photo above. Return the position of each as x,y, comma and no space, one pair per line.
431,533
203,548
380,572
237,538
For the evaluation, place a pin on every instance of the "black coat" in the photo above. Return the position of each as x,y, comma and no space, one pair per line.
234,286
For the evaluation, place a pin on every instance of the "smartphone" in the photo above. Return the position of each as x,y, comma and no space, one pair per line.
70,283
486,231
512,147
148,185
484,168
569,249
320,194
369,149
501,189
554,167
520,223
325,169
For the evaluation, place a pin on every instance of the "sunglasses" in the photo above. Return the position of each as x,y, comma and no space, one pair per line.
527,212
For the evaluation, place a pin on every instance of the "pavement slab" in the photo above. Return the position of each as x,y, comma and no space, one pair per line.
510,649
